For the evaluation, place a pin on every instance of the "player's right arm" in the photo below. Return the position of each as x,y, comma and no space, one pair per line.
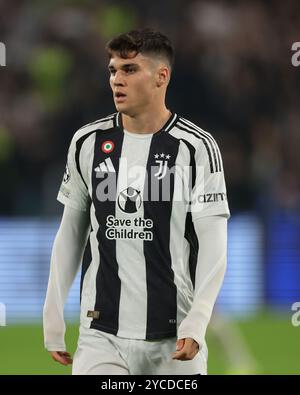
67,252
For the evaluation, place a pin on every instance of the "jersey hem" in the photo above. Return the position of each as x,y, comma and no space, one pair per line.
149,336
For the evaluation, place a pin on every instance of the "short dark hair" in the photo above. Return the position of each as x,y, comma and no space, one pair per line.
144,41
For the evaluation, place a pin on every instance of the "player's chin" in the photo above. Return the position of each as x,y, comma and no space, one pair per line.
123,108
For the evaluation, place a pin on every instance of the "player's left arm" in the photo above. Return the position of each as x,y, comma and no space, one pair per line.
211,265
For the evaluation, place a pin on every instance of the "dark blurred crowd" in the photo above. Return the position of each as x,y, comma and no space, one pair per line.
233,77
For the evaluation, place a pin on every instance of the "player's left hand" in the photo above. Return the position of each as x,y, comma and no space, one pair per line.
186,349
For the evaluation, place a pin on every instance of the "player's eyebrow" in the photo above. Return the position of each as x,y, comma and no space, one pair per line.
124,66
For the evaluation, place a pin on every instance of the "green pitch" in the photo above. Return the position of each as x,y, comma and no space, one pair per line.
272,339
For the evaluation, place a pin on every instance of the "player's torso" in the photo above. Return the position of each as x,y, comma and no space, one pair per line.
139,190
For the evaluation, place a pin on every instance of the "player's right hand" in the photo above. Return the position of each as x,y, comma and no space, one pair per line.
62,357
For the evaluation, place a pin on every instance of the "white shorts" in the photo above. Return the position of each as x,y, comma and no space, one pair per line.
102,353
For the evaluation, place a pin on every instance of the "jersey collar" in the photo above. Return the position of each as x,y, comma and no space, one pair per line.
167,126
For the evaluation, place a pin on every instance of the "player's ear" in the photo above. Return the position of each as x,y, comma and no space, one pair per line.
163,74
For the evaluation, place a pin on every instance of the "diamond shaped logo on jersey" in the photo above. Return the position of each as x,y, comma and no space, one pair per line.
107,146
129,200
163,165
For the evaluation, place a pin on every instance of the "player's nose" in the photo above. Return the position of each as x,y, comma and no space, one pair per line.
118,79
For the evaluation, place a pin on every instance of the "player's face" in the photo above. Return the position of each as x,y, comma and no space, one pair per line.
133,83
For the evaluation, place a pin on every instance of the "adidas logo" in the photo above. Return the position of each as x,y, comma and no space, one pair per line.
105,167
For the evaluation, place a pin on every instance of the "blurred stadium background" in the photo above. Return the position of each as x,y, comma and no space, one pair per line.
233,77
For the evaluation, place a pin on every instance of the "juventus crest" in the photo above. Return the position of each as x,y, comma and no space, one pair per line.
162,161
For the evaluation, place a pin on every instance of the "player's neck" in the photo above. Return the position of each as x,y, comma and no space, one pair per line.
147,122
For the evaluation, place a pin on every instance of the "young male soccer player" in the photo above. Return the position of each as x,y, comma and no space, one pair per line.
145,188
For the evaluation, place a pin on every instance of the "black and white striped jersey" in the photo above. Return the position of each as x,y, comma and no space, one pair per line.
143,193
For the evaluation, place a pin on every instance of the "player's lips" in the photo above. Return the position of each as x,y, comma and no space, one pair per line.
119,96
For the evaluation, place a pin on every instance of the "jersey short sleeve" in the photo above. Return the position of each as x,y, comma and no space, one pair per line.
209,196
73,191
